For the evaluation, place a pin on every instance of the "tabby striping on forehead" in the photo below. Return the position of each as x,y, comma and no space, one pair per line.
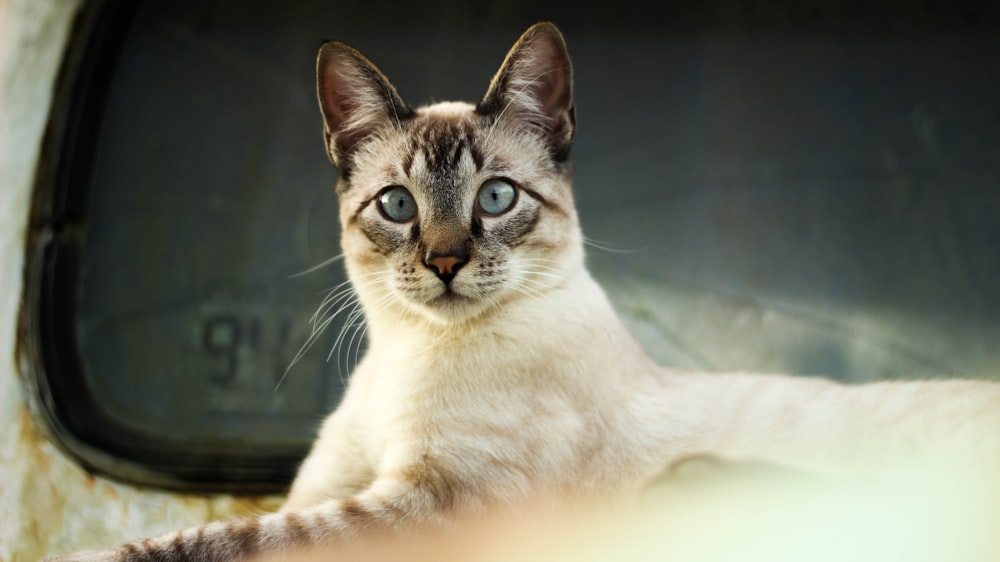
442,140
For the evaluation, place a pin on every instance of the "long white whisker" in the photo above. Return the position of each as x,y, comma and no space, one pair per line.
333,295
543,273
317,330
608,247
346,298
318,266
350,301
352,317
330,302
538,285
357,350
526,291
358,324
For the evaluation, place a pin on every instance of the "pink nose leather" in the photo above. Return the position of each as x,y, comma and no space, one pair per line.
445,264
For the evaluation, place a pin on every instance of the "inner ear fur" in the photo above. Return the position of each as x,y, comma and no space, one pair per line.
356,100
534,88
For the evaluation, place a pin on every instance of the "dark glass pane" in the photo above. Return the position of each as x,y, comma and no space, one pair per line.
209,191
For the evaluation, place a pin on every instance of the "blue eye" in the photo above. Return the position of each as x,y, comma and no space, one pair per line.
397,204
496,196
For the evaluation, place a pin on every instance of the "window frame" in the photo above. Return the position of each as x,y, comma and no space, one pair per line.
49,358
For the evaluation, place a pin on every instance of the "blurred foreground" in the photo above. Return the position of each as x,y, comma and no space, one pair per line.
718,512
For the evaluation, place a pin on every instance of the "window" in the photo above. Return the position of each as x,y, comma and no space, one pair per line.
793,190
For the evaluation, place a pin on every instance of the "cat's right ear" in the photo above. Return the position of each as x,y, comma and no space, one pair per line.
356,99
534,88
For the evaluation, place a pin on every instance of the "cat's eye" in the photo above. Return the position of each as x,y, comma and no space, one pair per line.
496,196
397,204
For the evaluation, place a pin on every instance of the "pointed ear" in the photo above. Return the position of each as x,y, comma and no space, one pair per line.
356,100
534,88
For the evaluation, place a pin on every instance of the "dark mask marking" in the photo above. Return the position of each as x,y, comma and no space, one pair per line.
514,229
385,239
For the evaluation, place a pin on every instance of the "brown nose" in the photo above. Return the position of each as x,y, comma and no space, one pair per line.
446,266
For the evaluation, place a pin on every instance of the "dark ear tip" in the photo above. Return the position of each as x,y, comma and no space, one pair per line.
331,48
545,28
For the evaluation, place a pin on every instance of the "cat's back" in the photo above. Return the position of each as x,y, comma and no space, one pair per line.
811,421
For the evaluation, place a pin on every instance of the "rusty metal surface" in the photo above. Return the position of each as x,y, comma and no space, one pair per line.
48,504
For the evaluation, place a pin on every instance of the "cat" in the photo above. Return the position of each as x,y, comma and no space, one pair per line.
498,376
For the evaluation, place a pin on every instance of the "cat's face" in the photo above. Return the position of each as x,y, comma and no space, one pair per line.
452,210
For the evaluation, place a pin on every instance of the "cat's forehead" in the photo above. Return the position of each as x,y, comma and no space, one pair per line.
444,150
441,135
442,140
452,137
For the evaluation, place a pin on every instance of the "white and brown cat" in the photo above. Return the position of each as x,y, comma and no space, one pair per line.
497,374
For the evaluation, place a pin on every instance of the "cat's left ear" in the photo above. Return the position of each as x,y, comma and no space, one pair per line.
534,88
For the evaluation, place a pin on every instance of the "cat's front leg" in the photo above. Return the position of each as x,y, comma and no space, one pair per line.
336,467
414,498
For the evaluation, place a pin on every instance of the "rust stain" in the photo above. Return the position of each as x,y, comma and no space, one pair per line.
61,508
39,493
110,491
229,507
254,505
31,439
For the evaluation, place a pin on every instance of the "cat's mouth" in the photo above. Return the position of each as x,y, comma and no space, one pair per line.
453,306
450,302
449,296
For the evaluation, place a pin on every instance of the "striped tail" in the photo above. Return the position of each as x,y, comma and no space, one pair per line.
328,523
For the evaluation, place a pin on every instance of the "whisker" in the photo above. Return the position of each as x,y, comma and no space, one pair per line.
341,299
527,271
544,273
347,326
319,266
351,296
608,246
359,326
537,285
357,350
528,292
333,289
317,330
352,317
330,302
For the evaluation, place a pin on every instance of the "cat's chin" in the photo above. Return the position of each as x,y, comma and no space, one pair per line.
451,307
